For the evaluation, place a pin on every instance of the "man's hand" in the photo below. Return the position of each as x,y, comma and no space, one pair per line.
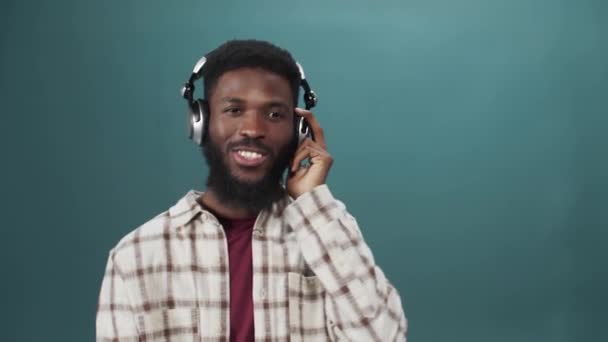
302,179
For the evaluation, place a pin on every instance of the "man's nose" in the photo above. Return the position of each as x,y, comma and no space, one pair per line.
253,126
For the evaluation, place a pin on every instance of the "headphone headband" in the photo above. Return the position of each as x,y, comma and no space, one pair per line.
199,65
187,91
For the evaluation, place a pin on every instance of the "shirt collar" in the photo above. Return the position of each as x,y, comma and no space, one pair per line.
186,208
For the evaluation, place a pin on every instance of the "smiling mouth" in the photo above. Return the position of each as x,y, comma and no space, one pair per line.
247,157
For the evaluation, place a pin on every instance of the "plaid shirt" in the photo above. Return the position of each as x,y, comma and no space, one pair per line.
314,278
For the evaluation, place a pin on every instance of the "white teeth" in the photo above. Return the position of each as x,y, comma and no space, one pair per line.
249,154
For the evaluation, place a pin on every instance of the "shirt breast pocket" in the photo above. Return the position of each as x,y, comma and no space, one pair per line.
175,324
307,317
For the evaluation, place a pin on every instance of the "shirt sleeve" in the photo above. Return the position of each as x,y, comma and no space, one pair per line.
115,317
362,305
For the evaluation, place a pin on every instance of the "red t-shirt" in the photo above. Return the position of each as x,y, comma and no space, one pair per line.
238,234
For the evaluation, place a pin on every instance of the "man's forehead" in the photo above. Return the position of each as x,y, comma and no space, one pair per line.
241,84
251,74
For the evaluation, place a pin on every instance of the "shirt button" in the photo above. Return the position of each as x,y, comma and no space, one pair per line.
263,294
257,232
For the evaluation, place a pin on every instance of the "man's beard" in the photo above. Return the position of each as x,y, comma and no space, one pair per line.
252,196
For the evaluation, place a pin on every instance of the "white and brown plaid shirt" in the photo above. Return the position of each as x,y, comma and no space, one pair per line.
314,278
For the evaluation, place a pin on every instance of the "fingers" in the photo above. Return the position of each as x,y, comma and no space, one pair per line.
297,159
308,149
314,126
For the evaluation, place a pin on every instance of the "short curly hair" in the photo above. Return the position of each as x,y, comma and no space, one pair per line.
250,53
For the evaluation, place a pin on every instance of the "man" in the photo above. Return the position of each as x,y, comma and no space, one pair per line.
253,257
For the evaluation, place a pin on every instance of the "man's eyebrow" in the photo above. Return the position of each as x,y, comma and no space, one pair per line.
277,104
269,104
232,100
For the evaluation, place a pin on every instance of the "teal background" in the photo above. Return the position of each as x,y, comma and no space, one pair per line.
469,140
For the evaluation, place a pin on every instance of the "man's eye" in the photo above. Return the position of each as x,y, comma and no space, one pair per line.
232,110
275,115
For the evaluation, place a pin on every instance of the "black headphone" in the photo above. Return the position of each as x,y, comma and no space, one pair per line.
198,109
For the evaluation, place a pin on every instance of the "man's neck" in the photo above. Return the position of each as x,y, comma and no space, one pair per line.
210,200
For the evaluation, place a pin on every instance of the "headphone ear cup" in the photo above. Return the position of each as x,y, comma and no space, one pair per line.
302,129
197,121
